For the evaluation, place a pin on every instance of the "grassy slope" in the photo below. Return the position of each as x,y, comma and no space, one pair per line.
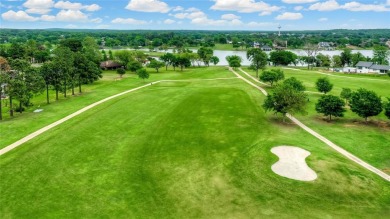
371,142
181,150
23,124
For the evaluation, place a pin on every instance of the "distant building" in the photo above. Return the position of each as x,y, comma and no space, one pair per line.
110,65
370,67
326,45
266,48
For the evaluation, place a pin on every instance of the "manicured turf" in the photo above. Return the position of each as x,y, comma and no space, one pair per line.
181,150
371,141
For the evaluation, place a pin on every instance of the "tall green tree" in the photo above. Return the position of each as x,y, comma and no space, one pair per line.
205,53
323,85
167,58
286,99
143,74
381,55
63,60
272,76
283,57
365,103
155,64
330,106
346,94
214,60
295,83
258,59
234,61
346,57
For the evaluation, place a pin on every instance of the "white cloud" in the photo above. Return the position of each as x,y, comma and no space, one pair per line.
178,8
356,6
76,6
244,6
265,13
17,16
148,6
289,16
96,20
230,17
48,18
93,7
169,21
323,19
38,10
192,15
38,6
388,2
298,1
71,15
128,21
298,8
330,5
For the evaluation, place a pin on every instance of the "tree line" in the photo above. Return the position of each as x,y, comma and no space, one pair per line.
290,97
67,67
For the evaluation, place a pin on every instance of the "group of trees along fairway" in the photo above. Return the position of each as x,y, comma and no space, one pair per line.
289,97
66,67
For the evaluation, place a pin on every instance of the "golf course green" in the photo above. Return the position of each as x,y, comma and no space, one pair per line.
197,147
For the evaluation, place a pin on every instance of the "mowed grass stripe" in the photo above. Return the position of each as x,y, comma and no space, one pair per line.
180,149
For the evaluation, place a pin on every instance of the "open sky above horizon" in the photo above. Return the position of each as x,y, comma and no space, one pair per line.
196,14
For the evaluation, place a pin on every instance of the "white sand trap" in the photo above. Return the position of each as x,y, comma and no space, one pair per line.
292,163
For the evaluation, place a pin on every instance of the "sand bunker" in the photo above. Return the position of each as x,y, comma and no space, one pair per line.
292,163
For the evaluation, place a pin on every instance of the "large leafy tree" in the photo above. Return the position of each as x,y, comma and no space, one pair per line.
63,61
346,94
214,60
295,83
285,99
167,58
323,85
346,57
205,53
258,59
381,54
155,64
48,74
234,61
4,78
272,76
143,74
330,106
365,103
282,57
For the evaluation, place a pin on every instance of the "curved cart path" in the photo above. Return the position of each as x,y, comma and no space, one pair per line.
317,135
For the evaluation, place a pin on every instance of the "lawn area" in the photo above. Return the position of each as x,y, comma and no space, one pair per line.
188,149
12,129
370,142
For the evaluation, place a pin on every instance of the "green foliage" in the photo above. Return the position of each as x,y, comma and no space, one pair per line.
283,57
155,64
365,103
330,106
346,57
214,60
133,65
258,59
381,54
286,99
272,76
121,71
295,83
323,85
336,61
357,57
205,53
168,59
143,74
346,94
234,61
323,60
75,45
386,107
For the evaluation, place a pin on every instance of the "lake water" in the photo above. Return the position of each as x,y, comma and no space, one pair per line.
221,54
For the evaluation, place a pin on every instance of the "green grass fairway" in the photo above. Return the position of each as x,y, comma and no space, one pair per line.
370,142
198,149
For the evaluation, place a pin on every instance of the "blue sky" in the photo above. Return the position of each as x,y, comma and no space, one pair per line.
196,14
